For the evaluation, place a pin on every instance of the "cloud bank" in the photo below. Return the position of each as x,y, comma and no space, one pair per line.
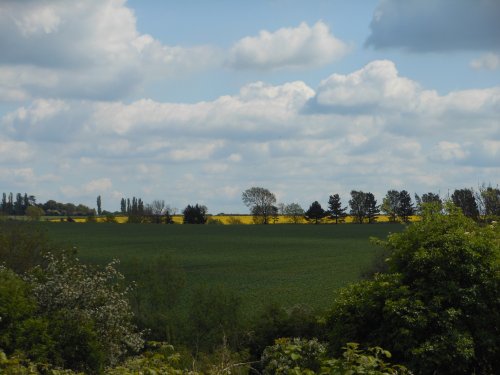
370,129
85,50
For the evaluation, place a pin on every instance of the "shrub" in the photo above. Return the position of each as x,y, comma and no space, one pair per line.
94,298
438,310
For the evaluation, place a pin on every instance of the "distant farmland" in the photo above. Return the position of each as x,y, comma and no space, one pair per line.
288,264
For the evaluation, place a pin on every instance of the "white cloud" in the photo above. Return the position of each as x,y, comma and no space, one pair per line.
84,49
201,151
99,185
299,47
449,151
376,84
15,151
489,61
348,133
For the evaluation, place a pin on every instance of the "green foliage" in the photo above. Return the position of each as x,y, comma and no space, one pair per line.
196,214
335,208
315,213
439,309
276,321
465,200
17,307
308,357
93,298
34,213
293,212
356,361
293,356
158,359
261,203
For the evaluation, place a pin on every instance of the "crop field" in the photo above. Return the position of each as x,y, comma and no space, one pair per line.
288,264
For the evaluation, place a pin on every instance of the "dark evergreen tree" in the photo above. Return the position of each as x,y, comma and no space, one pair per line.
405,207
123,206
99,209
315,213
371,208
10,204
18,205
196,214
464,198
4,203
129,206
335,208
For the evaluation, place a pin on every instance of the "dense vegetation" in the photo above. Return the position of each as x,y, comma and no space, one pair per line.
434,304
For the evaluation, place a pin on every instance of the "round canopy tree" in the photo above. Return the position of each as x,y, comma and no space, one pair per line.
261,203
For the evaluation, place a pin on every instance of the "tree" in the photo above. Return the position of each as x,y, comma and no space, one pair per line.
315,212
34,213
390,205
196,214
86,303
465,200
405,207
371,208
438,308
157,210
99,210
294,212
123,206
18,205
335,208
358,206
428,198
4,207
488,199
261,203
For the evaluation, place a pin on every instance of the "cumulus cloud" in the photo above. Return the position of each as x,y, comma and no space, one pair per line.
344,135
300,47
378,89
376,84
430,25
83,49
488,61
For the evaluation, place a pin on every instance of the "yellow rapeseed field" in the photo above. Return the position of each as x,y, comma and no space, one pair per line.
234,219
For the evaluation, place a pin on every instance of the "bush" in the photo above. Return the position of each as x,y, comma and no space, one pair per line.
276,322
438,310
94,298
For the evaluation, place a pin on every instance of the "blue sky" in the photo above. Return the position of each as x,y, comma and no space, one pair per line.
196,101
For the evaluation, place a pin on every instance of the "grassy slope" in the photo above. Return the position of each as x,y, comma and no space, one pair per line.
286,263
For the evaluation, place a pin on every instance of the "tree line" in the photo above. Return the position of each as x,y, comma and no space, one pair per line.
363,207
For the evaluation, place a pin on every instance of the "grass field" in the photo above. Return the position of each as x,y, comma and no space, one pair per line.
288,264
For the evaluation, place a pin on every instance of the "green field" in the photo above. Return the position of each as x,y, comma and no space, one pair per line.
288,264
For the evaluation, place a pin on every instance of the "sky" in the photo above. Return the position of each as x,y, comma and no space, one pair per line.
195,101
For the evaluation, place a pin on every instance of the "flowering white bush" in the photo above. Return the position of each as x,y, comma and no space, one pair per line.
88,293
